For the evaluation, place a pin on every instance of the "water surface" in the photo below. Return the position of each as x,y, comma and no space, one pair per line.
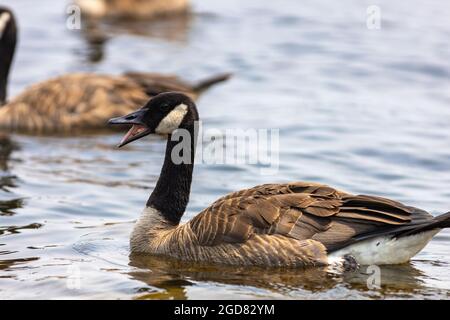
366,111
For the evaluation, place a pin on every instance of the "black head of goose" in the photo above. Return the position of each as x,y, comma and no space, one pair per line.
79,101
8,39
294,224
132,8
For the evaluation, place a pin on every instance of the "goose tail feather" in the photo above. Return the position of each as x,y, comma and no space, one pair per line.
206,83
439,222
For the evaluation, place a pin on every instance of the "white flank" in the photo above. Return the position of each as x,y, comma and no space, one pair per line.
173,120
4,19
386,250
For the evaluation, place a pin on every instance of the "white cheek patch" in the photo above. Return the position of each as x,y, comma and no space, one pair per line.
4,19
173,120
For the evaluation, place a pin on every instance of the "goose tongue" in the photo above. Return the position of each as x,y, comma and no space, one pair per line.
135,130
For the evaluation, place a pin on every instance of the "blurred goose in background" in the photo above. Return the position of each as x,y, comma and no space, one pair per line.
132,8
97,32
294,224
78,101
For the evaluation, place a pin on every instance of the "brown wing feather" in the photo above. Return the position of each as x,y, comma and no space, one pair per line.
301,211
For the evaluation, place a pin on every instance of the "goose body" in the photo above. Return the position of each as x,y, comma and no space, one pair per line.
294,224
82,101
132,8
78,101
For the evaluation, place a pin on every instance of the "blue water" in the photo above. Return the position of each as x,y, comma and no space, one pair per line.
363,110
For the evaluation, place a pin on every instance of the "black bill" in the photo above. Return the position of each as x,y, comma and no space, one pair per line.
137,130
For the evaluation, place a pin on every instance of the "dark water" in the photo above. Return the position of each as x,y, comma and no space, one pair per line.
363,110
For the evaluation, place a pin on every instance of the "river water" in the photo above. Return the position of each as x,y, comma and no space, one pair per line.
364,110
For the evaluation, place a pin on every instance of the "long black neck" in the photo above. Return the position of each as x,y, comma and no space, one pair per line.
171,194
7,48
4,72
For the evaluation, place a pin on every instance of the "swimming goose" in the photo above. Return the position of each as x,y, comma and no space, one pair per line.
78,101
294,224
132,8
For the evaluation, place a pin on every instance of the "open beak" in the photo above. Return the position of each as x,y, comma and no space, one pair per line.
138,128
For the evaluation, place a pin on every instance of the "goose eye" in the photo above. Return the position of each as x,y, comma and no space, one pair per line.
165,106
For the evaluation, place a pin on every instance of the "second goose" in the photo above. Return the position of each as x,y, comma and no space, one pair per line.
78,101
296,224
132,8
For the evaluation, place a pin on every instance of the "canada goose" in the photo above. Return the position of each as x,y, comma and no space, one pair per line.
291,224
81,100
132,8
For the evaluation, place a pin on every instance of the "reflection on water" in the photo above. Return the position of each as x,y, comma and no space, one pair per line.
7,146
170,276
7,207
168,279
97,32
13,263
364,111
